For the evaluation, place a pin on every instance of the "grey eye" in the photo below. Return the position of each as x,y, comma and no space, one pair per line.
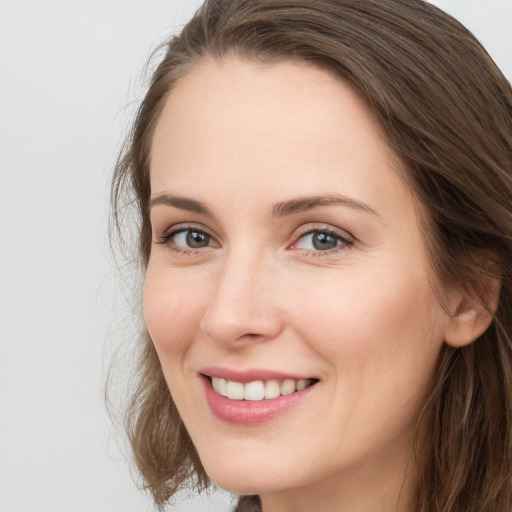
192,239
319,241
324,241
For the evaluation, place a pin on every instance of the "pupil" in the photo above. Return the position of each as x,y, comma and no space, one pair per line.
196,240
324,241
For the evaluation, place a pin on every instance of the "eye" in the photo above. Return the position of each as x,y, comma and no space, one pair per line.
186,239
322,240
191,239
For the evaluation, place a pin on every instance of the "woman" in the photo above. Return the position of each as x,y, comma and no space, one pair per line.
324,191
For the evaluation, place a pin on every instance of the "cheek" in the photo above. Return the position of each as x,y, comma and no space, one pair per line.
172,311
381,339
367,325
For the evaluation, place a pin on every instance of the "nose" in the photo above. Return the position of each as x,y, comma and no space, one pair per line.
242,307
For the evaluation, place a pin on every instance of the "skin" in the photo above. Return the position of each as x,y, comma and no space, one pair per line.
240,138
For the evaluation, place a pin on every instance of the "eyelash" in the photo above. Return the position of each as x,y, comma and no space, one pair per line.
346,241
167,236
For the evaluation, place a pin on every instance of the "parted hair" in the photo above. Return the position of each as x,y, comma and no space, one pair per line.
447,112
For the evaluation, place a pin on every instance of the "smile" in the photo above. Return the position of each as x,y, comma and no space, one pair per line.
258,390
253,397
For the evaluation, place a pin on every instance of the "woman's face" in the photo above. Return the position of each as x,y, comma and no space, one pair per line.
287,253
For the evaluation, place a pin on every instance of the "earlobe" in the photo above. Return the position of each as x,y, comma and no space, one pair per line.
475,308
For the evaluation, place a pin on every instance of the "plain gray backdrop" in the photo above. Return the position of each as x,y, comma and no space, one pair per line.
70,75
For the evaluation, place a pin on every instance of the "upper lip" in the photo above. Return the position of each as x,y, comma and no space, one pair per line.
249,374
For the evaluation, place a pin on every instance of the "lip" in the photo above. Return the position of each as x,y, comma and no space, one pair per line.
249,375
244,412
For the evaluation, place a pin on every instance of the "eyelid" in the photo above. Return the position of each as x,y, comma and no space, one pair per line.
313,227
310,228
182,226
173,230
344,236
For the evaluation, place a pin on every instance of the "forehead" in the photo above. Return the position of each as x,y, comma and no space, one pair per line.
278,129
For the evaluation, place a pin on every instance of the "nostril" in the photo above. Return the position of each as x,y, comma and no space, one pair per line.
251,335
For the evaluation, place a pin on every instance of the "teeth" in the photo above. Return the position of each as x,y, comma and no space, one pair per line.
287,387
220,385
272,389
301,384
257,390
254,391
234,390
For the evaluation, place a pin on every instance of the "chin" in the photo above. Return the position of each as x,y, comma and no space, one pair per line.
238,487
245,480
238,482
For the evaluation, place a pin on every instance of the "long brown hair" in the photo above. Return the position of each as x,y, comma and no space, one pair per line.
447,112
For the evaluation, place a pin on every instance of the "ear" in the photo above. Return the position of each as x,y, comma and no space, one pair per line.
475,305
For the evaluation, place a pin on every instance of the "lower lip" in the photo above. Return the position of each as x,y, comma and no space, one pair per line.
246,412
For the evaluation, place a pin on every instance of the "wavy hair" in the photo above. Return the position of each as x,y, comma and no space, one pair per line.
447,112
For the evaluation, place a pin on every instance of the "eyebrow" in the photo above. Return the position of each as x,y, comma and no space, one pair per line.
302,204
183,203
281,209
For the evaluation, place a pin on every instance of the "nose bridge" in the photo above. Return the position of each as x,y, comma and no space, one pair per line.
242,305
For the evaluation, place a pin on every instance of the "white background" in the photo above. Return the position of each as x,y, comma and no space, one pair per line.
70,72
